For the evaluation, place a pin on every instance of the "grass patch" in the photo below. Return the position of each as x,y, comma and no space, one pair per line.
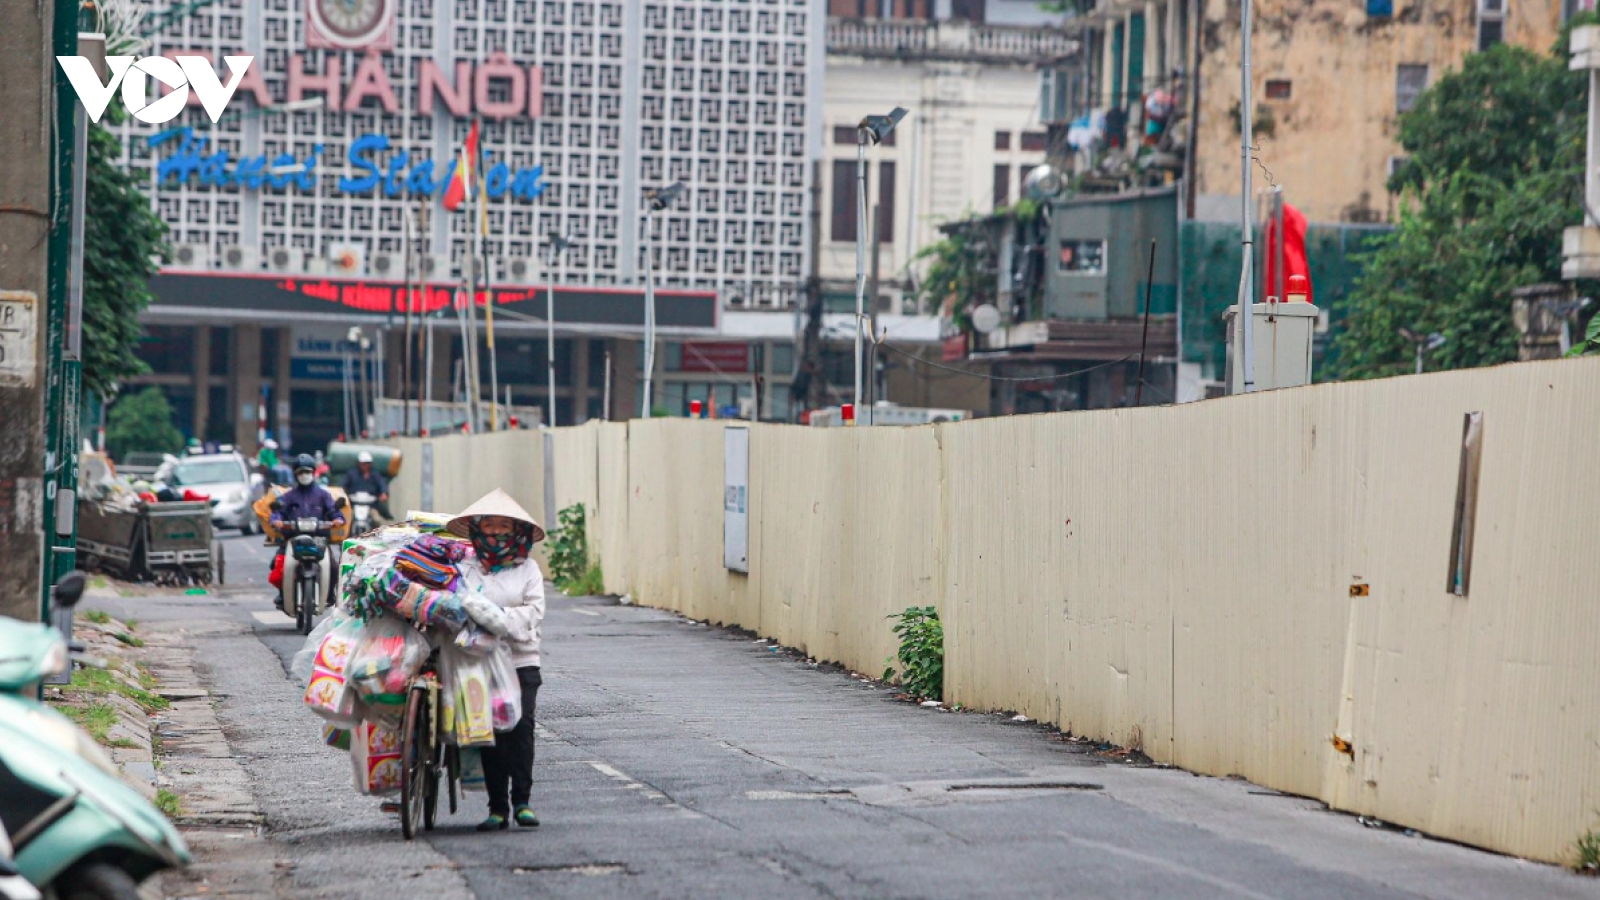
591,583
133,624
100,681
98,617
169,803
1588,847
129,639
98,719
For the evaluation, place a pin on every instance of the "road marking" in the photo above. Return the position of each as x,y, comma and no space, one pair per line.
632,784
586,612
271,618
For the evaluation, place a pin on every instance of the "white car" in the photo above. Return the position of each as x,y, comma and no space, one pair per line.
226,479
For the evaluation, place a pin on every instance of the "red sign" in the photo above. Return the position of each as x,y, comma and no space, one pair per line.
699,356
955,348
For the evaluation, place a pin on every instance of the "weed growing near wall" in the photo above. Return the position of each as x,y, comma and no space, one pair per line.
921,655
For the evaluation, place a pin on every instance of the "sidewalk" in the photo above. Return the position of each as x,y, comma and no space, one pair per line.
678,760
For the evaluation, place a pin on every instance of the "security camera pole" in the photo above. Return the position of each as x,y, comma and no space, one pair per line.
659,199
873,129
557,244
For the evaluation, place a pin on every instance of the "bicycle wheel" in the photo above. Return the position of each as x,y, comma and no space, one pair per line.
416,738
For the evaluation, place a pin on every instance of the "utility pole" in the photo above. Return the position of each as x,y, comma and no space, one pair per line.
808,370
37,402
557,244
1246,344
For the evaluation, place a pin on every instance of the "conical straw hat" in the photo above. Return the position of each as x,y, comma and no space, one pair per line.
494,503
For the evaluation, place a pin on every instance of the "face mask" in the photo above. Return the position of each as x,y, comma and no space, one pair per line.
305,478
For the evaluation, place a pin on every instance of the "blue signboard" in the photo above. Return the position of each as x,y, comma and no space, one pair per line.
302,368
394,176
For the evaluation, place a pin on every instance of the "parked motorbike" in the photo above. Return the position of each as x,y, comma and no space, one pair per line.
361,515
77,831
308,571
12,885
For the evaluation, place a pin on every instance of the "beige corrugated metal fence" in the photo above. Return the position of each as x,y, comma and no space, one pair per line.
1228,584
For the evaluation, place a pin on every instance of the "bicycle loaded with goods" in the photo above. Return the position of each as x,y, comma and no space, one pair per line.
411,673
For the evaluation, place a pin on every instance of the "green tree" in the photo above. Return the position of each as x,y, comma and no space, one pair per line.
142,422
1495,172
121,236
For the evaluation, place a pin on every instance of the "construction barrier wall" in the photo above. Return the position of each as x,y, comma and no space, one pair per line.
1255,586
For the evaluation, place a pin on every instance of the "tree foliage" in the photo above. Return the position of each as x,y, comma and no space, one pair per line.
121,234
958,275
142,423
1495,172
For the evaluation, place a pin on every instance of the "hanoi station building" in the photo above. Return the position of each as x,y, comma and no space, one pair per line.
316,202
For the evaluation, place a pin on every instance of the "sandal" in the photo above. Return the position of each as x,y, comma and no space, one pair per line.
495,822
389,806
525,817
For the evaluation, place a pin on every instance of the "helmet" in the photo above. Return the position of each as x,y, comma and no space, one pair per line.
270,444
363,457
304,461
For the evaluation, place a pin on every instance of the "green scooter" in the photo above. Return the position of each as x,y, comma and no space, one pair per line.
78,832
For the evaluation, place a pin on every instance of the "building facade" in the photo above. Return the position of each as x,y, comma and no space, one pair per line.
320,187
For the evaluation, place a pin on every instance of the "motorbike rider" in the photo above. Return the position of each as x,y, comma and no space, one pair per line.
365,479
306,500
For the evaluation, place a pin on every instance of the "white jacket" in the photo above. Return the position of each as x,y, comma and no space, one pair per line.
518,590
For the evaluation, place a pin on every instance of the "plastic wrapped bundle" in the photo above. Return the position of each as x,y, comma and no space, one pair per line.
422,605
468,716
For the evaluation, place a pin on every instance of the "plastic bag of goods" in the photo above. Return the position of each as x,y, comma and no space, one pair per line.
375,758
422,604
389,655
505,690
329,693
468,714
300,666
483,611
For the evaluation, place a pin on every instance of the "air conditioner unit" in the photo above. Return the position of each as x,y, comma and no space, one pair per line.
436,267
284,259
190,256
239,258
389,266
346,259
519,270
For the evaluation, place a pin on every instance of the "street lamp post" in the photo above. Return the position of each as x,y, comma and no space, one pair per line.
659,199
557,244
871,129
1424,343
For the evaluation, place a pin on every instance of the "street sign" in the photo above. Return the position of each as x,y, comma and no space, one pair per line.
18,337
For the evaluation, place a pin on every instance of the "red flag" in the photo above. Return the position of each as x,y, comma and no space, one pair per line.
1294,253
461,180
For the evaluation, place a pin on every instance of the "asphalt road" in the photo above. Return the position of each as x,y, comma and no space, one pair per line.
678,760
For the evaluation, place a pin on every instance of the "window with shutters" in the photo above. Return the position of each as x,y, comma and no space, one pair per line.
1410,82
1491,23
1002,186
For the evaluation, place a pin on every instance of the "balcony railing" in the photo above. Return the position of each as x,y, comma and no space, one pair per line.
955,40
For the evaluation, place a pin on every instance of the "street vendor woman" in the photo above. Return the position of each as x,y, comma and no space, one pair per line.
503,535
